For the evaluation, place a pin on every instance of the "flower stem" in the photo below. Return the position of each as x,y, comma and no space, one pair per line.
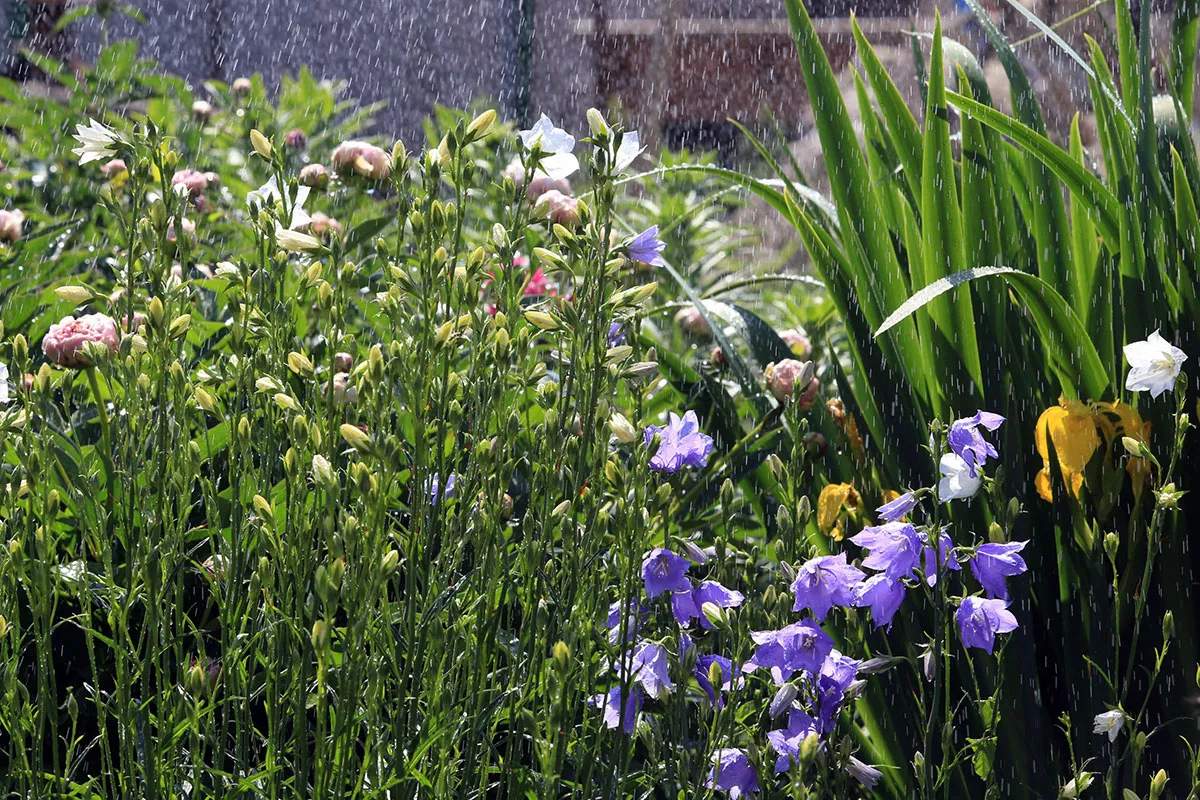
110,475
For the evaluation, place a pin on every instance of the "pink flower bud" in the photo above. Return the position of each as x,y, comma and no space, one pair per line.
136,322
365,159
782,377
64,342
342,362
344,392
202,110
563,209
543,183
816,442
295,138
10,225
798,342
242,86
114,168
691,321
322,225
314,176
189,228
195,181
718,356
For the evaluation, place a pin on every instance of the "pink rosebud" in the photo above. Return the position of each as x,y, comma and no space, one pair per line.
65,341
691,321
314,176
322,225
798,342
367,160
202,110
342,362
10,225
344,392
114,168
543,183
295,138
195,181
563,209
782,377
242,86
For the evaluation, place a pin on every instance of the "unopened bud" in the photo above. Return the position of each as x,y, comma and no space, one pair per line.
261,144
562,655
783,699
718,616
1158,784
1168,626
623,429
320,635
74,294
355,437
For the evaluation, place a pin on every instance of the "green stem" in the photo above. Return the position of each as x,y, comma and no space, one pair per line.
110,474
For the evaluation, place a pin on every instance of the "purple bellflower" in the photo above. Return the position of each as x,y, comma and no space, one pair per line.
824,582
979,621
702,671
837,673
993,563
649,668
966,440
647,248
882,595
786,741
437,493
895,548
663,571
680,444
686,606
897,509
616,334
732,772
865,774
610,703
945,552
635,614
800,646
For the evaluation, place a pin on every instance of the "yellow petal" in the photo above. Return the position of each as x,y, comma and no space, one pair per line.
829,505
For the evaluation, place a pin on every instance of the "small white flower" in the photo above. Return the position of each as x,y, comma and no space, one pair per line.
957,482
294,241
3,384
268,194
1072,791
1110,722
1153,365
628,152
97,141
561,163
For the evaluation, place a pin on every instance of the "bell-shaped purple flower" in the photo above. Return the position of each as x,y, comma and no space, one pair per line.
616,334
610,703
663,571
882,595
680,444
824,582
895,548
966,440
837,673
686,605
945,553
993,563
650,668
979,621
800,646
732,772
865,774
897,509
436,492
786,741
635,614
647,248
703,672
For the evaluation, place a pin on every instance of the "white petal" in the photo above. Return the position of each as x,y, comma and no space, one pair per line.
560,165
294,241
628,152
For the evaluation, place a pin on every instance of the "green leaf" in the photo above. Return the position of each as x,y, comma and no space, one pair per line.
1073,357
906,134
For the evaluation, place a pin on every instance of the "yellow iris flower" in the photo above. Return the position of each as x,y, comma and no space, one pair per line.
1077,430
835,497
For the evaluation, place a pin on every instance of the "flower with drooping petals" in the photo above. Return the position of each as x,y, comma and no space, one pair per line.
649,667
979,621
967,442
732,772
646,247
686,606
663,571
1110,723
98,142
680,444
958,481
634,616
837,673
799,646
882,595
865,774
436,492
1154,364
898,508
65,342
823,582
786,742
993,562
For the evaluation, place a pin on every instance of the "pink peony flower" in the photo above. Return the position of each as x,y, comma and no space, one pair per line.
314,176
783,376
114,168
563,209
342,362
367,160
543,183
10,225
64,343
691,321
322,225
195,181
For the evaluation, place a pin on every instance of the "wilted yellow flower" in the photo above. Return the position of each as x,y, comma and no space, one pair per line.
1072,429
1128,423
834,498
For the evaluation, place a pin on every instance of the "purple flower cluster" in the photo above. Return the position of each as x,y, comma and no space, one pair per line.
681,444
